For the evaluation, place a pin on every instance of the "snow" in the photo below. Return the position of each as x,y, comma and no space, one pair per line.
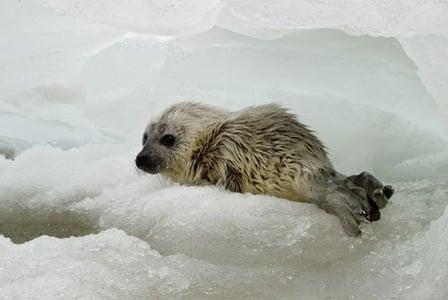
80,79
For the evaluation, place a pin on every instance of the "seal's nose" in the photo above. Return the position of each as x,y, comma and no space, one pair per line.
141,159
148,162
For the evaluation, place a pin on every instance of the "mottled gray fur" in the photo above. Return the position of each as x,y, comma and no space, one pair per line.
260,150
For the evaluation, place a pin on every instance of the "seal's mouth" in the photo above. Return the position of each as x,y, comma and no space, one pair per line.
147,170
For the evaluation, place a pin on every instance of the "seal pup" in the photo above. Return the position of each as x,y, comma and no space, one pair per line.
260,150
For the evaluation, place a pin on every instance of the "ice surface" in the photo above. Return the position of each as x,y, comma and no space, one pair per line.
110,265
79,80
205,241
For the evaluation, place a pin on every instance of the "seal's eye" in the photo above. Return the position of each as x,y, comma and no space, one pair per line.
167,140
145,138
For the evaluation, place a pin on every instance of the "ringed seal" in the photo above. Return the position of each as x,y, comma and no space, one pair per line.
260,150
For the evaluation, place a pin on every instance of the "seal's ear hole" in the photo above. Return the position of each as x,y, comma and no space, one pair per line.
168,140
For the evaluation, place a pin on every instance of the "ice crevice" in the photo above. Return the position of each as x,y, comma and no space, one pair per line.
416,25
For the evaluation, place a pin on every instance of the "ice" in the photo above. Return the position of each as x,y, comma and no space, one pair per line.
110,265
421,27
207,241
80,79
157,16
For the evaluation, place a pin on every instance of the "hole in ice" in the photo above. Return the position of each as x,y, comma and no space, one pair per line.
25,226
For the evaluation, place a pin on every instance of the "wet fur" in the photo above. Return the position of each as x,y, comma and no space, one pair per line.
260,150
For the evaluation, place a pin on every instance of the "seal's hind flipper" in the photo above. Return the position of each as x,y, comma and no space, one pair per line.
376,191
350,207
388,190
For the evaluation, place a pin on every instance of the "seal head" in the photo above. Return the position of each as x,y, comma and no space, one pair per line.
168,137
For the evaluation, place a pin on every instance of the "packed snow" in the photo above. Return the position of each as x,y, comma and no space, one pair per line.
80,79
